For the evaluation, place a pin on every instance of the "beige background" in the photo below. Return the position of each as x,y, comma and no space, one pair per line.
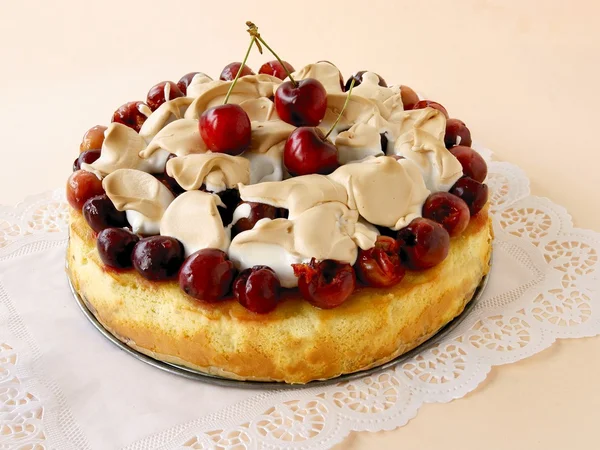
522,74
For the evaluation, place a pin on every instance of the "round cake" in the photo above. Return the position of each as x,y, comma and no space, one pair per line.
284,226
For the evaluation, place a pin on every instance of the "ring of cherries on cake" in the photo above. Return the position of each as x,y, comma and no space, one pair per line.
208,275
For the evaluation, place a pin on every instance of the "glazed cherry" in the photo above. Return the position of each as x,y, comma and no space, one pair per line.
158,258
474,166
162,92
457,133
88,157
474,193
131,114
185,81
92,139
301,104
257,211
276,69
115,246
448,210
358,78
207,275
226,129
380,266
258,289
307,151
423,244
100,213
231,70
326,284
421,104
409,97
81,186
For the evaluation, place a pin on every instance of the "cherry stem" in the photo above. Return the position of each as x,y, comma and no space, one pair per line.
253,30
239,72
342,111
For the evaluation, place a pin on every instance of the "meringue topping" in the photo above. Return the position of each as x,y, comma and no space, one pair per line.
268,129
369,88
218,171
164,115
326,73
181,138
359,142
266,166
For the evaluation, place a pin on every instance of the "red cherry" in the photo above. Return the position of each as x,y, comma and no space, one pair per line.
307,151
185,81
474,193
81,186
474,166
423,244
276,69
358,77
130,114
231,70
158,257
380,266
258,289
409,97
162,92
226,129
448,210
100,213
421,104
93,139
457,133
257,211
115,246
326,284
301,105
88,157
207,275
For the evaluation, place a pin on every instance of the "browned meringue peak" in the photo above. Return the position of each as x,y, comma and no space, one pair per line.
359,110
165,114
181,137
246,88
357,143
268,129
266,166
296,194
326,73
218,171
385,192
134,190
369,88
193,219
200,83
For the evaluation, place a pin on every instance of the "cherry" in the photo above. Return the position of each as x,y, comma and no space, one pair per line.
448,210
308,151
185,81
81,186
158,257
169,181
457,133
257,211
88,157
130,114
258,289
276,69
92,139
474,166
409,97
421,104
358,77
162,92
474,193
230,198
423,244
226,129
100,213
231,70
301,103
207,275
380,266
325,284
115,246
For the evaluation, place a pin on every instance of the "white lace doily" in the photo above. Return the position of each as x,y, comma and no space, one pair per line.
544,285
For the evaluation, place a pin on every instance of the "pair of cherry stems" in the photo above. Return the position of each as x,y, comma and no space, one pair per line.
257,39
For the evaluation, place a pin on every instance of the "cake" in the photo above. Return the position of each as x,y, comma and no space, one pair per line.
280,226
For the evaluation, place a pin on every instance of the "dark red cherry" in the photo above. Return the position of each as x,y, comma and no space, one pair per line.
276,69
380,266
258,289
307,151
115,246
162,92
457,133
158,257
301,105
474,166
100,213
185,81
207,275
449,211
131,114
257,211
358,78
93,139
231,70
421,104
81,186
325,284
409,97
226,129
87,157
474,193
423,244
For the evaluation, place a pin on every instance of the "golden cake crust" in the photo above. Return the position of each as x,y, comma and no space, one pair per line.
297,342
